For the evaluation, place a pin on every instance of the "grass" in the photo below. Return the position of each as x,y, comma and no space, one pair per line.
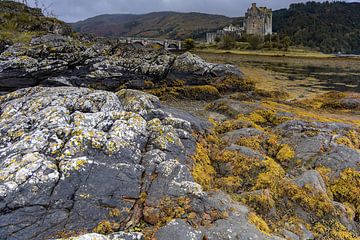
274,53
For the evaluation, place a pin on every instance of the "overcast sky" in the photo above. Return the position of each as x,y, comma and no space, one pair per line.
75,10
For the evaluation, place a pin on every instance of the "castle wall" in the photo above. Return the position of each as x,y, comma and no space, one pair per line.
258,20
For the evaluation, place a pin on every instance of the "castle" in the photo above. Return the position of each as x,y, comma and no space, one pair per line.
257,21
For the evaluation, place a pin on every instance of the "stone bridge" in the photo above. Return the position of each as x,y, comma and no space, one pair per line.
165,43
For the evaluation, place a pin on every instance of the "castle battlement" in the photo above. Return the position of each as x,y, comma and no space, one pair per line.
258,20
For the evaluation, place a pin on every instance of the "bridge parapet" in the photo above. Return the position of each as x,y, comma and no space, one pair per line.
165,43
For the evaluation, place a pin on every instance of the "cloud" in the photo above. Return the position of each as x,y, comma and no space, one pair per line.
75,10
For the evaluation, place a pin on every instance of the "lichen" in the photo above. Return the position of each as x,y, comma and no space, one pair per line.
285,153
203,171
259,223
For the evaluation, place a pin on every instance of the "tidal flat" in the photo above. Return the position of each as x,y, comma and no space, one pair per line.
300,77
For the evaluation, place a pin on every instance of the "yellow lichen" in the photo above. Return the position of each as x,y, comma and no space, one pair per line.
115,212
347,189
106,227
285,153
202,171
259,223
273,174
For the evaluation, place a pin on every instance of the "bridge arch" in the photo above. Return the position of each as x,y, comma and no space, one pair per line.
173,46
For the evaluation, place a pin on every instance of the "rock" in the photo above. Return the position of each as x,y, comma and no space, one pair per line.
248,152
58,60
339,158
236,225
189,66
232,136
113,236
315,144
178,230
345,217
350,103
290,235
313,179
71,156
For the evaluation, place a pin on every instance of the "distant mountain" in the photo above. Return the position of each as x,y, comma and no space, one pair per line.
328,26
158,24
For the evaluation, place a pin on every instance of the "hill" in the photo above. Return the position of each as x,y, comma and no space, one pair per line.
19,23
157,24
328,27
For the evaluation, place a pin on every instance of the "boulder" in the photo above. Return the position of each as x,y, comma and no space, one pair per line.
71,158
313,179
188,65
178,230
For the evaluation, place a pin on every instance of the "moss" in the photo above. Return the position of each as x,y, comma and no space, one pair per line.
250,142
234,83
170,208
115,212
203,171
271,176
229,183
259,223
350,139
346,189
204,92
332,230
261,201
106,227
285,153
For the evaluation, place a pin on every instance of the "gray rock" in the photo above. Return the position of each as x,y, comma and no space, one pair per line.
70,155
248,152
233,136
236,225
315,144
57,60
178,230
339,158
312,178
189,64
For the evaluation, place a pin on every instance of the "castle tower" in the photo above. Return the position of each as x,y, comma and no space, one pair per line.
258,20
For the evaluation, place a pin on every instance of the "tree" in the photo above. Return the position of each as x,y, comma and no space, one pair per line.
228,42
255,41
189,43
286,43
217,39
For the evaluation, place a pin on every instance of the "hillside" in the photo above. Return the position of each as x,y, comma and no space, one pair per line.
157,24
19,23
329,27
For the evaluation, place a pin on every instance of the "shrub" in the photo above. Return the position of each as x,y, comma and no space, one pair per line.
189,44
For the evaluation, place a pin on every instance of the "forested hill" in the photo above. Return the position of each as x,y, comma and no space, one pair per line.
328,26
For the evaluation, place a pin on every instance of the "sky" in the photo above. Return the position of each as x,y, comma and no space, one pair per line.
75,10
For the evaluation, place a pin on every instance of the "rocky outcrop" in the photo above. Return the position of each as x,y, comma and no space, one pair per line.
76,160
317,144
56,60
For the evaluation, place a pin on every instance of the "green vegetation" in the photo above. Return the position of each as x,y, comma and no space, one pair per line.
328,26
189,44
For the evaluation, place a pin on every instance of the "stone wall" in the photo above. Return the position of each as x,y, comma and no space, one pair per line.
258,20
